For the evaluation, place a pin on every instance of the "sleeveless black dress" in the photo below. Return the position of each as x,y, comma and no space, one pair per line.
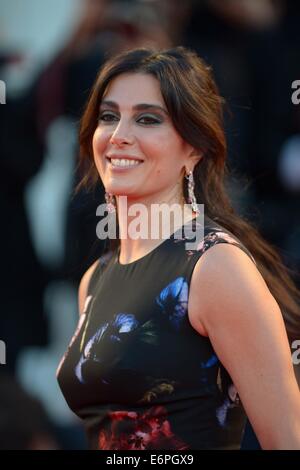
136,371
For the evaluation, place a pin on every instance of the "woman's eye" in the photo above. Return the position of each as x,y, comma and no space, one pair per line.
107,117
149,120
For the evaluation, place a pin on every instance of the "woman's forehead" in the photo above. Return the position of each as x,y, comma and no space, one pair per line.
134,88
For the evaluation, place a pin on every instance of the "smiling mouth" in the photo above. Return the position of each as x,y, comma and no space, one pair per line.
123,163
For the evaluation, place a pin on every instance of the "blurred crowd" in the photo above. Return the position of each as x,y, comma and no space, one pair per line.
48,236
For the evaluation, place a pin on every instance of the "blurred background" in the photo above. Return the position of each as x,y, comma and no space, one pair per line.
50,53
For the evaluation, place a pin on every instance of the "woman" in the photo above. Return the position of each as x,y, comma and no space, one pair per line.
171,341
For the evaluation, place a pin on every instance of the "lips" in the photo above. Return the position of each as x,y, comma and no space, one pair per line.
123,157
123,162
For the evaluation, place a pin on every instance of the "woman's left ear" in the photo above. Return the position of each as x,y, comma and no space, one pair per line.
196,156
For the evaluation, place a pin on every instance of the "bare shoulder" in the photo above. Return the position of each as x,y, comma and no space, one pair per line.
227,284
83,286
232,305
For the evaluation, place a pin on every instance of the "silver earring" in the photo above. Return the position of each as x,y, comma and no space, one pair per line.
191,195
110,202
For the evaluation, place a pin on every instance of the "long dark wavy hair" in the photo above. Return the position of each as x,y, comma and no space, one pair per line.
196,108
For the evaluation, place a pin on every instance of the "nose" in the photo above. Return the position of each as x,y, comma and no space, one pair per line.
122,134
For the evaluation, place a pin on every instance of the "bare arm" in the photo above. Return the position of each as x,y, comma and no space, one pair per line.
234,307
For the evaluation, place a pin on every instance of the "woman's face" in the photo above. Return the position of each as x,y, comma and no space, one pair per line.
137,151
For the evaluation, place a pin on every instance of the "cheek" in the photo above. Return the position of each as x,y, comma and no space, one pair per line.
167,153
98,152
156,146
170,142
98,143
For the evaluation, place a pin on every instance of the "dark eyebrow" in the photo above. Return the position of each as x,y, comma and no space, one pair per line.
137,107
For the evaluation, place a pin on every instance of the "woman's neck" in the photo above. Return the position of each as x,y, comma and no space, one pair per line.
144,224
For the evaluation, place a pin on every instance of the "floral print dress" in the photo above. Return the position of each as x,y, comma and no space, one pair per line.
136,371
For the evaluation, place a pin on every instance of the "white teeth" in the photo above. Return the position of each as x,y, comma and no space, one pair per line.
123,162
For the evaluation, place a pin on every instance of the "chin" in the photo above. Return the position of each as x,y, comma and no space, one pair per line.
118,190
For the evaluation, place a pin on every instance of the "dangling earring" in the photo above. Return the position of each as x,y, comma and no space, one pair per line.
110,202
191,195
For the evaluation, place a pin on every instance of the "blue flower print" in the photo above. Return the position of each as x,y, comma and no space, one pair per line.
231,401
212,361
173,301
112,332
